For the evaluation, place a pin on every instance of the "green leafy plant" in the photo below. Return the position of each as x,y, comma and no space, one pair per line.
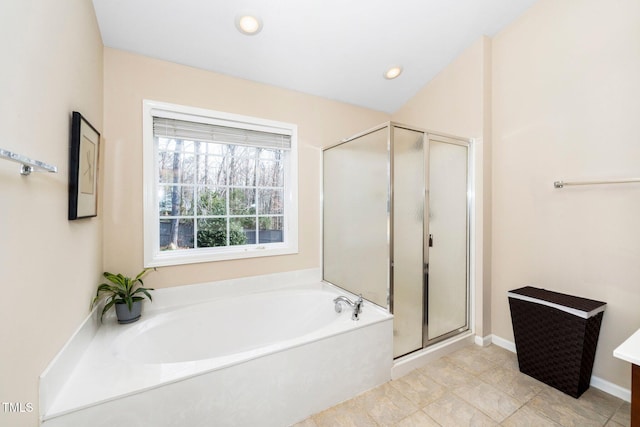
121,290
212,232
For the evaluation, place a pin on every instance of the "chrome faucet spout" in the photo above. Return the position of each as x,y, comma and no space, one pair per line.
357,305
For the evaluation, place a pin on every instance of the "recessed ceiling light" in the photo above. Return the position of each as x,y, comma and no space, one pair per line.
393,72
248,24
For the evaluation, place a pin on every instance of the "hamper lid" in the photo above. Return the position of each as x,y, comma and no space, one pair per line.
578,306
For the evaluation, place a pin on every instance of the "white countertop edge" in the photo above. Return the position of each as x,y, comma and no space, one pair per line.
630,349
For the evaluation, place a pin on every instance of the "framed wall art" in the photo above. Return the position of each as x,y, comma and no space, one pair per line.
83,168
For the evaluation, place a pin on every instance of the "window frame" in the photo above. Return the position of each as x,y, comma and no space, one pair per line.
153,256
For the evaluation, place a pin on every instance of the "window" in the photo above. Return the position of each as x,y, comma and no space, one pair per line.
218,186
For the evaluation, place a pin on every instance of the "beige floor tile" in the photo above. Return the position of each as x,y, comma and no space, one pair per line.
488,399
517,385
451,411
527,417
417,419
347,414
600,402
418,388
471,360
475,386
565,410
445,372
385,404
623,415
500,356
309,422
512,364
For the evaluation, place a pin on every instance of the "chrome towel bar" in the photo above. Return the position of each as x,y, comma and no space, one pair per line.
28,165
561,184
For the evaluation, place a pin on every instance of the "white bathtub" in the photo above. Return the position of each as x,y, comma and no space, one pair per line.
261,358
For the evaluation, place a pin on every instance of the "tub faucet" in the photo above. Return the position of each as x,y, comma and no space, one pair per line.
357,305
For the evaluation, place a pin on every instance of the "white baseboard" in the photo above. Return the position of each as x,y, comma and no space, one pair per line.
611,388
483,341
501,342
596,382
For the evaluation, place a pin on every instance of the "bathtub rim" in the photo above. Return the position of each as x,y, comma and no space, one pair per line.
53,378
57,408
348,375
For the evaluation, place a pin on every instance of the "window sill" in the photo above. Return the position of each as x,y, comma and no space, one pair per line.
191,256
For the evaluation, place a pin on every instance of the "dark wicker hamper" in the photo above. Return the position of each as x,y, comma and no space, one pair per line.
556,336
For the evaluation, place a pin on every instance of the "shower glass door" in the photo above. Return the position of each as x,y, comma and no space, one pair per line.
408,239
446,305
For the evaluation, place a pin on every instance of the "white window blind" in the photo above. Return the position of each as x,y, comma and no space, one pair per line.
205,132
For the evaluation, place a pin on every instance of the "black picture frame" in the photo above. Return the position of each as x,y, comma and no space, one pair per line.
84,149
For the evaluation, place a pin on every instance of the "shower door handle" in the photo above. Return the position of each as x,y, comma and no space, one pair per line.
430,240
425,295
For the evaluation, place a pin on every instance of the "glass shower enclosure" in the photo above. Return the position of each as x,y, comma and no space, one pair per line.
396,228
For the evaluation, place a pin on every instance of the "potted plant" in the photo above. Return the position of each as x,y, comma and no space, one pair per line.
125,293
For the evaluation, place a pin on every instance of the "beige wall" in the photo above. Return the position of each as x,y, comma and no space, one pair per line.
131,78
457,101
566,103
453,101
51,65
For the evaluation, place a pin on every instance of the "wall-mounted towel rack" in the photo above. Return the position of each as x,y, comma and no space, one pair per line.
28,165
561,184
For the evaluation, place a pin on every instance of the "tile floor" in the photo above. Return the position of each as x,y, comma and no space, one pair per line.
475,386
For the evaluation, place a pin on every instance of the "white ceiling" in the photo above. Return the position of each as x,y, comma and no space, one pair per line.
336,49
